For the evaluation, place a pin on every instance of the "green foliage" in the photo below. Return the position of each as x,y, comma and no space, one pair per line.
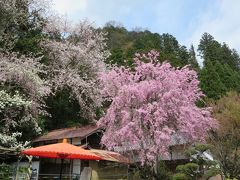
198,148
180,176
28,43
221,70
63,110
228,76
163,172
147,172
189,169
6,171
221,65
211,172
211,83
20,28
193,59
123,45
200,166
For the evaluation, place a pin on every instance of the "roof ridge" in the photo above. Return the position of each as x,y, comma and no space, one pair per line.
71,132
75,127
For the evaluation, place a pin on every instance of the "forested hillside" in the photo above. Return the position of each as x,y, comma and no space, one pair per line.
123,45
219,73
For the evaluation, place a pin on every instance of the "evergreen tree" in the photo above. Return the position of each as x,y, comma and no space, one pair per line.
193,59
228,76
228,57
209,49
221,67
211,83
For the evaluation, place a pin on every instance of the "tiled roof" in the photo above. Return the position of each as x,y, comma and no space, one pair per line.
81,132
110,156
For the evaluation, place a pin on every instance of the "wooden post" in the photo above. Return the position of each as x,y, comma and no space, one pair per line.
16,175
61,167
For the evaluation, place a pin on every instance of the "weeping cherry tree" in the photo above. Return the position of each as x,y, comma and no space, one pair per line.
149,105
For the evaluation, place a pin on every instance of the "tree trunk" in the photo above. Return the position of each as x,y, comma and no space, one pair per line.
155,169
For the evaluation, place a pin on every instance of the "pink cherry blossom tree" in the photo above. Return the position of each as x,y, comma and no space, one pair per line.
150,104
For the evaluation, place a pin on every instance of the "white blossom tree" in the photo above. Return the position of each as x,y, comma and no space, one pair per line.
74,60
65,56
21,95
19,18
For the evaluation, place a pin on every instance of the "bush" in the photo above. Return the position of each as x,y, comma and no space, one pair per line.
212,172
6,171
180,176
146,172
189,169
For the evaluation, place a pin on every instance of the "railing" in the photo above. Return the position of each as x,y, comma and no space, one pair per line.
35,176
12,176
113,177
56,176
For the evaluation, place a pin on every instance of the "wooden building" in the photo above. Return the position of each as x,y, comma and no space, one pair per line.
113,167
89,137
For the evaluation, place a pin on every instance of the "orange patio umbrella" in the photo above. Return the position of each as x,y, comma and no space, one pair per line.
61,151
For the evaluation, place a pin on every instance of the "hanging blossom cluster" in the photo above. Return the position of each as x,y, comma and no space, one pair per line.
75,59
151,104
6,100
11,141
21,95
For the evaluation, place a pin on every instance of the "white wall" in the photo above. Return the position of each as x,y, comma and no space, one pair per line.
76,169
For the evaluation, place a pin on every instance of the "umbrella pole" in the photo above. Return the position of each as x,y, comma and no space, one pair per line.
61,168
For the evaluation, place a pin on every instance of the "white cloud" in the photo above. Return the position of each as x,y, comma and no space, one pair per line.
130,13
222,22
69,6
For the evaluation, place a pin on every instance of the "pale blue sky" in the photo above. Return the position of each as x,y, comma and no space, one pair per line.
187,20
